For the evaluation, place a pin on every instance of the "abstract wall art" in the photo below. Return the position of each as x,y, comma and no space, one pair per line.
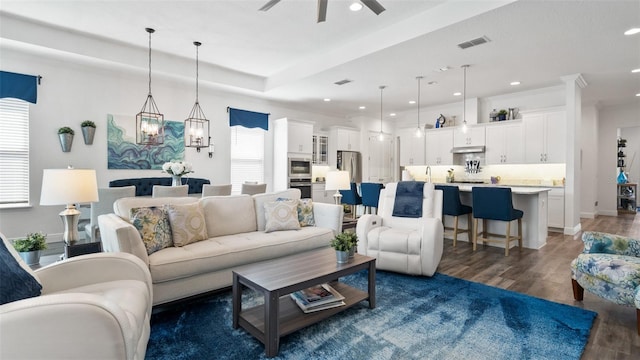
124,153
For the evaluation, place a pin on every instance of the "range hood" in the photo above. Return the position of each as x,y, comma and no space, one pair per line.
468,149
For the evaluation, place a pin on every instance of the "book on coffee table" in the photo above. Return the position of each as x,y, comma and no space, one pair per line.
318,297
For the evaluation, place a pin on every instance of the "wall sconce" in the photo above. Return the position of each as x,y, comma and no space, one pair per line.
211,148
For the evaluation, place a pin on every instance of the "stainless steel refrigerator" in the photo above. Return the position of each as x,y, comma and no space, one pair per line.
351,161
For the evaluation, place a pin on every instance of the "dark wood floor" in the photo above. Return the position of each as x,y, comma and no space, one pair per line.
546,274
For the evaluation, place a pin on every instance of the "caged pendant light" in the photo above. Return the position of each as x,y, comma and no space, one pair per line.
196,126
464,99
419,129
381,136
149,121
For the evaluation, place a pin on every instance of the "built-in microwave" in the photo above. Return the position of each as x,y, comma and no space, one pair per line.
299,168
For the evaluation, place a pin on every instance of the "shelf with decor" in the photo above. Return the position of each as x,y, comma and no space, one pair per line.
627,200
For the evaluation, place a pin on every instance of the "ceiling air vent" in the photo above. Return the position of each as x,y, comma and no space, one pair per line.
342,82
474,42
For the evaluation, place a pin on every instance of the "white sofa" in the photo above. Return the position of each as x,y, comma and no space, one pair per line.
235,226
95,306
406,245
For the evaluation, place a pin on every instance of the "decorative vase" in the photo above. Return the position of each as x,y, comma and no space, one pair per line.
30,257
88,132
342,257
622,178
449,179
176,180
66,140
352,252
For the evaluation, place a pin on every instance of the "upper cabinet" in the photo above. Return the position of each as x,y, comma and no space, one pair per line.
438,146
411,147
300,137
320,149
346,139
473,137
504,143
545,136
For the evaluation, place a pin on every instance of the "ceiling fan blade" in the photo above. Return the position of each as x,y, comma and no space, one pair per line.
322,10
374,5
269,5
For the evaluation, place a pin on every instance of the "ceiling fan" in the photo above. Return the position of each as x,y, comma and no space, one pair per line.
373,5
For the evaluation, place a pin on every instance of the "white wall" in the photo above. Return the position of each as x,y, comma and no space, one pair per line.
588,168
610,119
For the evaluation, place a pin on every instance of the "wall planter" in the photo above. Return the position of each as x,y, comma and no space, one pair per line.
88,131
66,138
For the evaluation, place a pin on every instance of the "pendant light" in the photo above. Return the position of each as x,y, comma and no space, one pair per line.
381,136
196,126
149,121
464,99
419,129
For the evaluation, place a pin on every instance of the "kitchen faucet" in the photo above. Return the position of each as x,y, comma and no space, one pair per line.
428,173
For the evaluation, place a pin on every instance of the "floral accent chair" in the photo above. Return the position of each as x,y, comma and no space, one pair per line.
609,267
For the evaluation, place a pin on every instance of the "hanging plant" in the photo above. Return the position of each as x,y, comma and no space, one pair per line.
88,131
65,134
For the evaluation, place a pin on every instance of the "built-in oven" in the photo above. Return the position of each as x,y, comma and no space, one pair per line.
299,168
303,184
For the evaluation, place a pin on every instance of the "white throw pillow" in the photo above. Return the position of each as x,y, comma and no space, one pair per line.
281,215
187,223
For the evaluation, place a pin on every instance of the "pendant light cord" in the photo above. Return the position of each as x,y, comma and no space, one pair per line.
464,95
150,31
197,44
381,89
419,79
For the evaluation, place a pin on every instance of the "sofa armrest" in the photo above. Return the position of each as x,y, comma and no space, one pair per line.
604,243
67,325
118,235
328,216
432,245
365,224
93,268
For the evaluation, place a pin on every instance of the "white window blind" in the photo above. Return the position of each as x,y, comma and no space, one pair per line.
14,152
247,156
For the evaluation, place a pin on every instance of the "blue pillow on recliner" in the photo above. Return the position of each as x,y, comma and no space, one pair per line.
15,282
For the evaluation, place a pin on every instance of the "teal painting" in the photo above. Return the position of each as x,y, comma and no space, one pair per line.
124,153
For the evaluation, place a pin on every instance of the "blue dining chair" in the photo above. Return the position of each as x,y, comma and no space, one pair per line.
495,203
452,206
370,195
352,198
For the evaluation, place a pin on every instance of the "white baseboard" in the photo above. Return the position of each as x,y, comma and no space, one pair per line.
608,212
588,215
572,230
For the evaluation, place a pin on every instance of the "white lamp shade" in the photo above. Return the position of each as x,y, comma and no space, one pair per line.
338,180
68,186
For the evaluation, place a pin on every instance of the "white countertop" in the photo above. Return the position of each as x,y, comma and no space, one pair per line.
522,190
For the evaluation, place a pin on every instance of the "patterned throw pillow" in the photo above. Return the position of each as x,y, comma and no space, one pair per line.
17,283
153,225
305,212
281,215
187,223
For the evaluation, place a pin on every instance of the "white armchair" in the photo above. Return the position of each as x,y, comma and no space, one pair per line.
91,306
401,244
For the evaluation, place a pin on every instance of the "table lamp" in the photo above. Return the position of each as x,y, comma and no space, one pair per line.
338,180
69,187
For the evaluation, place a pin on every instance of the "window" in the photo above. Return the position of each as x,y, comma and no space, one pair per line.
247,156
14,152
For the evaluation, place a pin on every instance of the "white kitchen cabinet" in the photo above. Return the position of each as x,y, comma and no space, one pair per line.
346,139
556,209
300,137
320,195
545,138
438,147
504,143
411,147
380,161
474,136
320,149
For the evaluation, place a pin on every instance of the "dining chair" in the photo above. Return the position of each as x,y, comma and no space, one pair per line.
106,196
170,191
370,196
216,190
351,198
252,189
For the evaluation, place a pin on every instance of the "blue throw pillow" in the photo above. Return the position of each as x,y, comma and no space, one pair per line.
16,283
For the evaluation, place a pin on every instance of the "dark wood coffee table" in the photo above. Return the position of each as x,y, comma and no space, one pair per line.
278,278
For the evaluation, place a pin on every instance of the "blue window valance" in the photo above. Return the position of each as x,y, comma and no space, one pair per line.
19,86
248,119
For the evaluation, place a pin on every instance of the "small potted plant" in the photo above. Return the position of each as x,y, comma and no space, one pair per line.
88,131
66,138
502,115
29,247
342,243
450,176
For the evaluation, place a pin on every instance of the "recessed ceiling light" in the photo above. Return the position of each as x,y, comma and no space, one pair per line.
443,69
355,6
636,70
432,83
326,99
638,94
632,31
412,102
362,107
392,114
514,83
457,93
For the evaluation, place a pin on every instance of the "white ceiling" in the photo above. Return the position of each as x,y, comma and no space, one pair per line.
284,55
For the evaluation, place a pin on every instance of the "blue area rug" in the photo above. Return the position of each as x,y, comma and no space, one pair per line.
415,318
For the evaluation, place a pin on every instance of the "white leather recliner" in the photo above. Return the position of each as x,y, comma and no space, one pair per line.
406,245
95,306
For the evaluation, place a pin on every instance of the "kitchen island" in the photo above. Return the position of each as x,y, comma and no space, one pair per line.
533,201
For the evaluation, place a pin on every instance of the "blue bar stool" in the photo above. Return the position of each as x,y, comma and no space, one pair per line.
370,195
352,198
495,203
452,206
